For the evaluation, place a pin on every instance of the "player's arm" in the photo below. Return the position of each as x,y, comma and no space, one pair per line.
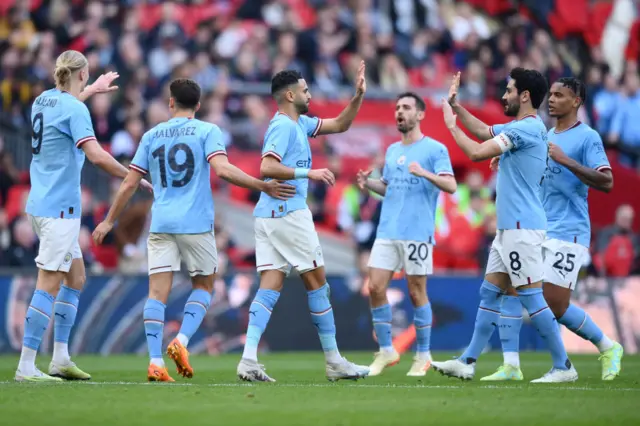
595,172
227,171
276,143
477,127
379,186
103,159
101,85
124,194
343,121
445,181
475,151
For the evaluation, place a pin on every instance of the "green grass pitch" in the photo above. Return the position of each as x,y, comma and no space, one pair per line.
119,395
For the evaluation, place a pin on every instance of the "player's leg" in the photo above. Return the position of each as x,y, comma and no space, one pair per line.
509,328
201,259
496,281
298,242
418,263
383,262
522,253
65,310
562,265
164,258
272,268
53,261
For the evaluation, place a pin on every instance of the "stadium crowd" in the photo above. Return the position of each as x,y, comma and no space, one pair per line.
231,48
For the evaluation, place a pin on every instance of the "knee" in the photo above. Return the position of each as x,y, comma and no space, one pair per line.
76,282
417,294
377,289
558,306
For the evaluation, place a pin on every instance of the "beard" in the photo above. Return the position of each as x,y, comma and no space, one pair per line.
511,110
302,108
406,126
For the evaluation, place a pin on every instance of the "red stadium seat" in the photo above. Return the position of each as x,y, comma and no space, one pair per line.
15,197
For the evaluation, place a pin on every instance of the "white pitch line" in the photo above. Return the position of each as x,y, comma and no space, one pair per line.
328,385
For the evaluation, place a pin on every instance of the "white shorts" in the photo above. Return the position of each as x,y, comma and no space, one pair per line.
58,242
517,252
289,241
562,262
415,257
198,251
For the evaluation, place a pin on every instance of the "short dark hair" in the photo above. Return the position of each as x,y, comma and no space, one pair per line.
576,85
284,79
420,104
533,82
186,93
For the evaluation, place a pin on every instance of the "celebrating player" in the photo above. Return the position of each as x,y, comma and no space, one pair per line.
515,258
285,233
416,169
177,154
62,134
577,162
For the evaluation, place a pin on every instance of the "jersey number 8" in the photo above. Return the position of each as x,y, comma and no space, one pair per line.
185,167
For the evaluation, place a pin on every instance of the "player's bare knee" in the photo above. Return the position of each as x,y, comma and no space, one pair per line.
314,279
203,282
499,279
558,299
75,282
49,281
417,286
272,280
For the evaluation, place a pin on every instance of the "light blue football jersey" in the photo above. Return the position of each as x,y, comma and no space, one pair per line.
176,153
60,125
409,205
288,141
518,202
564,196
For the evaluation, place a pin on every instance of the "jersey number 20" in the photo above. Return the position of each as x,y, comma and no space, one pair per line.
185,167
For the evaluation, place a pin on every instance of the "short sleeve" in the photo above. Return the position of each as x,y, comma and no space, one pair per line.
594,155
496,129
441,161
311,125
80,124
515,134
214,143
140,162
277,139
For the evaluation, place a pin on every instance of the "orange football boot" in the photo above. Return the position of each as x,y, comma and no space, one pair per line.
180,355
158,374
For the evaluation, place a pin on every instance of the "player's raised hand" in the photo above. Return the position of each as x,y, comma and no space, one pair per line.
324,175
557,154
449,116
453,90
416,169
494,165
103,83
362,178
280,190
361,81
101,231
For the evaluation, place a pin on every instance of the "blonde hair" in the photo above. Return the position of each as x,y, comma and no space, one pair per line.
66,64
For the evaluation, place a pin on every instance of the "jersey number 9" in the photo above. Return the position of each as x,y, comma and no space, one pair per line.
36,136
185,166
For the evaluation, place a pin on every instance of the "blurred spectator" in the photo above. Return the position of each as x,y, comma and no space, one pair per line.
125,141
625,124
617,245
23,248
9,174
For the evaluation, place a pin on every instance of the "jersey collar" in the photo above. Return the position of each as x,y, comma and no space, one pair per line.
576,124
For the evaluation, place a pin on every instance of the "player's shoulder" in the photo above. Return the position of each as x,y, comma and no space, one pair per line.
393,147
282,121
528,124
431,144
204,127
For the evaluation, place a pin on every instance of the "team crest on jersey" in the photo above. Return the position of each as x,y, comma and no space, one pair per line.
401,160
67,258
